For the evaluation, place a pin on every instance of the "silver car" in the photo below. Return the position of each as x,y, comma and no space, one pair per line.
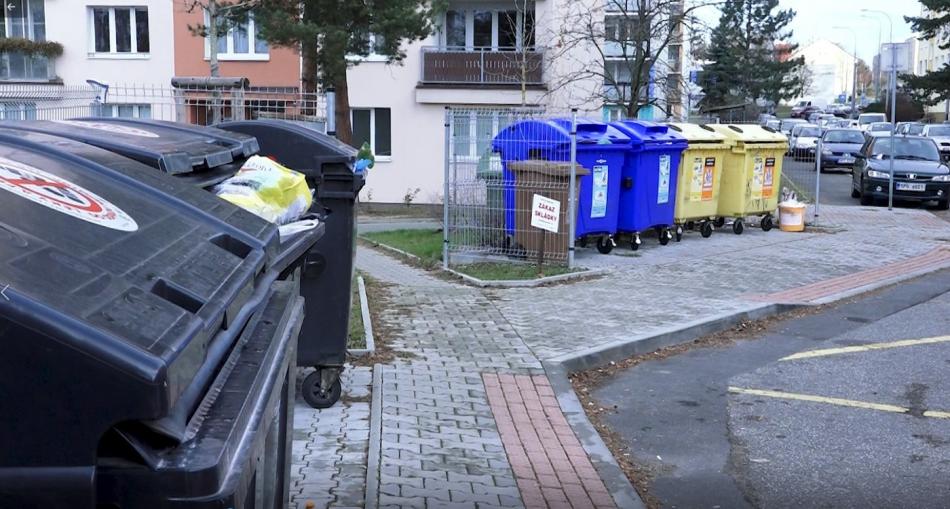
940,133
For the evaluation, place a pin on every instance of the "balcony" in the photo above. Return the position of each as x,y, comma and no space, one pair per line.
20,67
461,67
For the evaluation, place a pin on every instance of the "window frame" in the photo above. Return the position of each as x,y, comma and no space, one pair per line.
372,132
497,12
29,23
472,138
112,54
230,56
136,108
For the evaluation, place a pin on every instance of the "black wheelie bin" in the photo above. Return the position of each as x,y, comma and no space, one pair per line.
205,156
149,343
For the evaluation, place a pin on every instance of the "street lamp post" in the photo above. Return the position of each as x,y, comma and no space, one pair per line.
880,63
854,70
893,50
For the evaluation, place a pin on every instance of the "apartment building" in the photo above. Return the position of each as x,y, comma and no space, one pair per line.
931,57
489,55
831,70
111,42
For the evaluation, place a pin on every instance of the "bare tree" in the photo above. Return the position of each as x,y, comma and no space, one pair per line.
221,17
630,44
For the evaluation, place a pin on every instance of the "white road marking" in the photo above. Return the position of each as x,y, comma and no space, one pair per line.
835,401
866,348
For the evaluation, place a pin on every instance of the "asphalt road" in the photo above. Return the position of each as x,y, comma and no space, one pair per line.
708,447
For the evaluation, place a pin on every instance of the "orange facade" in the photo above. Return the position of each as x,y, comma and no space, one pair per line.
264,66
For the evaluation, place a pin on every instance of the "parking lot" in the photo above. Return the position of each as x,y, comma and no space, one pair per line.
845,407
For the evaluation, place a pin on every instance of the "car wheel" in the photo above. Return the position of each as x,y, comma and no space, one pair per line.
855,193
866,199
943,205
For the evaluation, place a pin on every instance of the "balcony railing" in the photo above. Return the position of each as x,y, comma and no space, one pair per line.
16,66
460,66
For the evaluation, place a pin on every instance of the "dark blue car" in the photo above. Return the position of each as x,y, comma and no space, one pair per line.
840,147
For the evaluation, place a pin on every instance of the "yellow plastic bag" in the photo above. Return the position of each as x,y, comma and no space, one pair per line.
269,190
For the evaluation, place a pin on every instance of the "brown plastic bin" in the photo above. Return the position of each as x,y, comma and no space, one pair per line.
550,179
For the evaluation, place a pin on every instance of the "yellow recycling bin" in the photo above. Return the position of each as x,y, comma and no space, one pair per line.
700,176
752,174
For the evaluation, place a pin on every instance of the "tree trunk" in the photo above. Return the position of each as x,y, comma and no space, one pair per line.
344,130
309,81
213,38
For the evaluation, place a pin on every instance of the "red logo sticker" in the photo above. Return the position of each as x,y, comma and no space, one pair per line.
60,195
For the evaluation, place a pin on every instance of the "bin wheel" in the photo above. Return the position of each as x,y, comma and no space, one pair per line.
664,235
582,242
737,227
604,245
635,244
706,229
315,396
767,223
679,234
719,222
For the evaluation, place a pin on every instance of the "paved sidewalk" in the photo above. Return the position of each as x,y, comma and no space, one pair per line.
468,418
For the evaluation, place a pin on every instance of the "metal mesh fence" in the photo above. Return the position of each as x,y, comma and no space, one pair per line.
497,162
192,104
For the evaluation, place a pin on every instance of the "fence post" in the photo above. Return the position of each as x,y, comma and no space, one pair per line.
818,149
445,191
571,198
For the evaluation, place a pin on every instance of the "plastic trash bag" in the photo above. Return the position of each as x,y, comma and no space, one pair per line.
267,189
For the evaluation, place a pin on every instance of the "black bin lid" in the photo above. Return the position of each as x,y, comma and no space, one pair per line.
128,271
174,148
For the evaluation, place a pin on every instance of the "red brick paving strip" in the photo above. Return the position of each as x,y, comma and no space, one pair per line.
550,464
933,259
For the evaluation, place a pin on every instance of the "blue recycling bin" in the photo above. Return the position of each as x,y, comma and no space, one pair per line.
601,148
648,182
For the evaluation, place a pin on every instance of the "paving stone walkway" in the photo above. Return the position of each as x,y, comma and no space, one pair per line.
467,418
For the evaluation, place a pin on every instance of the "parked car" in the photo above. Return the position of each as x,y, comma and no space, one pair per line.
866,119
910,128
803,140
940,133
826,120
765,118
811,113
919,173
876,129
839,147
788,123
799,107
774,124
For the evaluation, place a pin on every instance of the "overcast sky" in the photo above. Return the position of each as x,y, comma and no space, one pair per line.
816,18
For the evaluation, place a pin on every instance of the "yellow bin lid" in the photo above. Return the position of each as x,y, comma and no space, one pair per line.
696,133
749,133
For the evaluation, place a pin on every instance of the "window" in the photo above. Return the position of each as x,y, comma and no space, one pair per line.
373,126
17,111
241,42
119,31
473,132
23,18
487,29
125,110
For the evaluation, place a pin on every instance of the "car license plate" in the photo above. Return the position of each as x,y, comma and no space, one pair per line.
846,160
905,186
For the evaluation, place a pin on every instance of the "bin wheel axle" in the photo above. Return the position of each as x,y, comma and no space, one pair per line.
314,392
605,245
719,222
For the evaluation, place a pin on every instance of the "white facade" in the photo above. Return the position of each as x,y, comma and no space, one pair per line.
831,70
458,67
71,23
930,57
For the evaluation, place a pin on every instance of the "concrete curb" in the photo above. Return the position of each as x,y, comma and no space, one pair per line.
374,453
618,350
623,493
367,322
559,368
527,283
879,284
387,247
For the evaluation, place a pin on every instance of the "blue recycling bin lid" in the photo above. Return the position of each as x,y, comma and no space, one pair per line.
551,139
651,135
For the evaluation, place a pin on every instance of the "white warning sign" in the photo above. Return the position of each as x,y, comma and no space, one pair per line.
60,195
